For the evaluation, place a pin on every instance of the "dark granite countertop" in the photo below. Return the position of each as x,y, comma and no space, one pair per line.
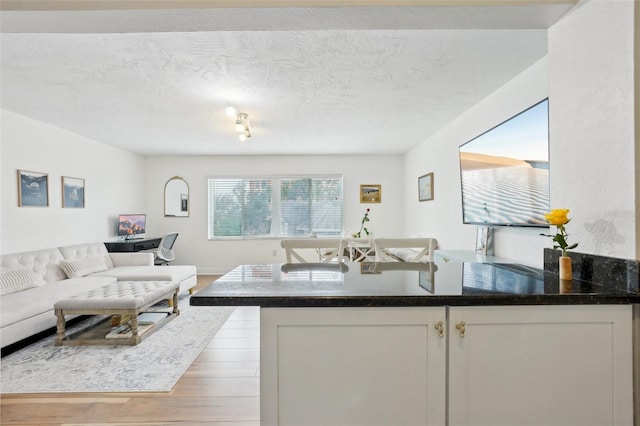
403,284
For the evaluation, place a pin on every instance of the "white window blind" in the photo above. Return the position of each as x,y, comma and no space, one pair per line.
283,206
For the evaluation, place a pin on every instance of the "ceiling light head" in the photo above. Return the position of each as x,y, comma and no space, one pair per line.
242,122
243,126
230,111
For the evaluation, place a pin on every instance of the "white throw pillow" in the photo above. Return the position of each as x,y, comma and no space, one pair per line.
83,267
14,280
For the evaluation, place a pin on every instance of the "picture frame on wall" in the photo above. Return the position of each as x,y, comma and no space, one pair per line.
72,192
370,193
33,189
425,187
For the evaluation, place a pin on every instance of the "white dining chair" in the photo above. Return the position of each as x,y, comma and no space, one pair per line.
321,249
404,249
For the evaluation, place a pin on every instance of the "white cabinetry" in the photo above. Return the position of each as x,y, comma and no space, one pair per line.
515,365
541,365
352,366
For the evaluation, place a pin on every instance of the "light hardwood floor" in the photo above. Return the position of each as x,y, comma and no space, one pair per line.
221,388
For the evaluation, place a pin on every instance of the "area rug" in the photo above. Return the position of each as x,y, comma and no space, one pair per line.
154,365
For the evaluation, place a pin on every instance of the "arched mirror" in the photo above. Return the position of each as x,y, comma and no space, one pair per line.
176,197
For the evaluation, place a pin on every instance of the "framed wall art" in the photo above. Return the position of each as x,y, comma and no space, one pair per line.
370,193
425,187
33,189
72,192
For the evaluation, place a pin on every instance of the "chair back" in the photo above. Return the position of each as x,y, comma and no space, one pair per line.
404,249
165,250
322,249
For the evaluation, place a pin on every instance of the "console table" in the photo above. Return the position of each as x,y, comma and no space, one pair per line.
132,245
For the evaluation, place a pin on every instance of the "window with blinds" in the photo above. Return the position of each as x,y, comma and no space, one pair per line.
275,207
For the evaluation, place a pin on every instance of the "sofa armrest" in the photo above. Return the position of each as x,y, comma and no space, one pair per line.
132,259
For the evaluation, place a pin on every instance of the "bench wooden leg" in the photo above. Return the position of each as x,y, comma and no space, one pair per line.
134,325
175,302
60,327
170,301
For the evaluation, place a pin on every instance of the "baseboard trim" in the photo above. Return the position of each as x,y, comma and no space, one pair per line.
212,271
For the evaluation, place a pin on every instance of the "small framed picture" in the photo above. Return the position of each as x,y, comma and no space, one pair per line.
425,187
370,193
72,192
33,189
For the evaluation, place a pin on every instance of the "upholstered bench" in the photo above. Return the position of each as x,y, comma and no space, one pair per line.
124,298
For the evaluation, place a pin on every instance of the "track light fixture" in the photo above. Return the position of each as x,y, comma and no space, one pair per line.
243,126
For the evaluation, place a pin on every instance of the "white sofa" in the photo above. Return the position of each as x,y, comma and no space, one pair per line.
31,282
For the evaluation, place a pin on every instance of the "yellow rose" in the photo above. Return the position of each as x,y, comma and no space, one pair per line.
557,217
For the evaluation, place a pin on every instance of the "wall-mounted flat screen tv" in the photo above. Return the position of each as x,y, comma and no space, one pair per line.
505,171
132,225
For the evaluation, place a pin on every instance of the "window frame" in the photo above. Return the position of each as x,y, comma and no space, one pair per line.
276,193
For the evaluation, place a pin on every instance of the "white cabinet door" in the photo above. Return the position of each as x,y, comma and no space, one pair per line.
352,366
541,365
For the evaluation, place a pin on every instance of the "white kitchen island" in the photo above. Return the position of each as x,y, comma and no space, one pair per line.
441,344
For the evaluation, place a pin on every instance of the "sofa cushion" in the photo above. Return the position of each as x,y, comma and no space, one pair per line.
21,305
177,273
83,267
43,263
12,280
82,251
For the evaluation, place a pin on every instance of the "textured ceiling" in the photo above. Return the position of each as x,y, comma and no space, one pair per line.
313,80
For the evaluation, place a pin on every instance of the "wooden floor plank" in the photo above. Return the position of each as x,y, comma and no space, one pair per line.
222,369
191,386
147,409
166,424
239,333
236,355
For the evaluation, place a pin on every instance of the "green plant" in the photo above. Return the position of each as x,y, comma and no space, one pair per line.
365,219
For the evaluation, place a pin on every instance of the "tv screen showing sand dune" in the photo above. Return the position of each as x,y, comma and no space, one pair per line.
505,172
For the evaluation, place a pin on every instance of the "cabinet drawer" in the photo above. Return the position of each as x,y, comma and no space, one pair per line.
145,246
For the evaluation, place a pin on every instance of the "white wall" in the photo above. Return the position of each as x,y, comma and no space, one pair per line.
588,76
442,217
193,245
114,183
591,76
